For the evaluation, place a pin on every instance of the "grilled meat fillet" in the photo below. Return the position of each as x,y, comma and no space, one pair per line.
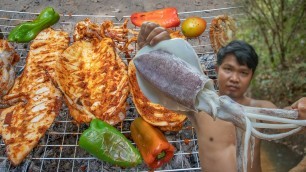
153,113
94,81
222,30
8,58
26,122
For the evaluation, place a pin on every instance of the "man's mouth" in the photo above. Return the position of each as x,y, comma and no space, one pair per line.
232,88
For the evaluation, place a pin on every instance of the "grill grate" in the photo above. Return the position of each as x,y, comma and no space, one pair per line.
58,149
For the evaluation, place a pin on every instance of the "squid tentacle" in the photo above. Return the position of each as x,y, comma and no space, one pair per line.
274,136
246,118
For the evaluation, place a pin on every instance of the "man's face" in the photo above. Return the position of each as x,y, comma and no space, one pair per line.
233,78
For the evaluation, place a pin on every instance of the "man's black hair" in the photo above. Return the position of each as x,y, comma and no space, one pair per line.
245,54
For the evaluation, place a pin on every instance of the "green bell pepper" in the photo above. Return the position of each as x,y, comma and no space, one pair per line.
27,31
108,144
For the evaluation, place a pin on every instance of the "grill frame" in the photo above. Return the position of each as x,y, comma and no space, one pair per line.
63,135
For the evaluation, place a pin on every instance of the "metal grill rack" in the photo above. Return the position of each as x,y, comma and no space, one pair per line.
58,150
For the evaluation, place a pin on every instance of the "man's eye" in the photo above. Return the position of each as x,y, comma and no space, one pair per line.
244,73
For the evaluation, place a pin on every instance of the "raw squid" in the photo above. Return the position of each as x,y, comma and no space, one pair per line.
176,78
153,113
183,89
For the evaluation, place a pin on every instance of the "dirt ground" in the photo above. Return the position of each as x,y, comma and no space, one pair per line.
117,8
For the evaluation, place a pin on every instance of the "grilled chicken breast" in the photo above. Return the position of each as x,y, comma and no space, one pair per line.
153,113
26,122
94,81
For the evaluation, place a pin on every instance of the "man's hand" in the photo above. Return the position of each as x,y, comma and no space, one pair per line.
151,34
300,105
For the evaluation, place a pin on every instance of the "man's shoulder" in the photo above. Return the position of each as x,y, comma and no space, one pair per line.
262,103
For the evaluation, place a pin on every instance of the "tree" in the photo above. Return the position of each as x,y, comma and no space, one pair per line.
276,28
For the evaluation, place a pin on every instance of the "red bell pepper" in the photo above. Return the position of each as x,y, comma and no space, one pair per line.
152,144
166,17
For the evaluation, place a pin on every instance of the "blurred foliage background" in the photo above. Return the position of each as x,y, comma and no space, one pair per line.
277,30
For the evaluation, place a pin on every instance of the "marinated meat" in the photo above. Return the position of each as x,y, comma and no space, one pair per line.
24,123
8,58
94,81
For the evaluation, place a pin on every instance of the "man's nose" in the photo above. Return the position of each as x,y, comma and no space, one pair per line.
234,77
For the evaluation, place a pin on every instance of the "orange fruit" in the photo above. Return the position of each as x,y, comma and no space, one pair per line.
193,27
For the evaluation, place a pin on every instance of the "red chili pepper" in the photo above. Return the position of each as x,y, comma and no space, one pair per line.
166,17
152,144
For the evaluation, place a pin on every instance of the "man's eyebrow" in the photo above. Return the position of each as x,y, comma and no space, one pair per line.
227,64
245,68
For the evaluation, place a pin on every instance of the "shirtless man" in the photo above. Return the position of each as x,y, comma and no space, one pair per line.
236,64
